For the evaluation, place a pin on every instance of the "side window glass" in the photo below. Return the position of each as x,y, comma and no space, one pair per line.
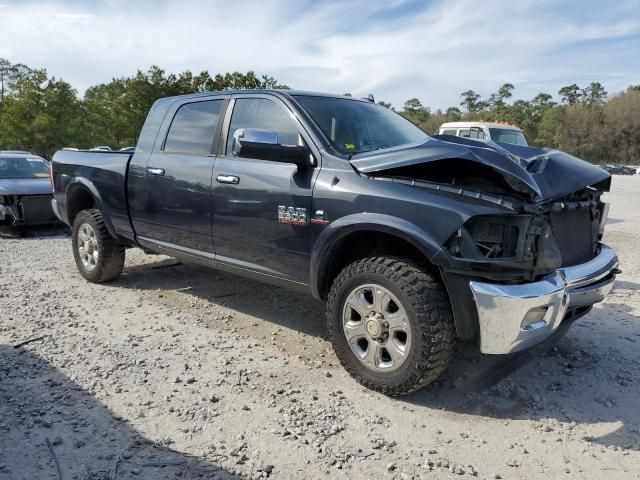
464,133
448,132
193,128
265,114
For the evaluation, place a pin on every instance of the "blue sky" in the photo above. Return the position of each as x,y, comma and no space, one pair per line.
395,49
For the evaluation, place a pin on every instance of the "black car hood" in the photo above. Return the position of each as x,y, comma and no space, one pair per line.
25,186
545,172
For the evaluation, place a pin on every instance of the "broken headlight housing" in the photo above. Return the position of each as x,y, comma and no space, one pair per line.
507,238
492,237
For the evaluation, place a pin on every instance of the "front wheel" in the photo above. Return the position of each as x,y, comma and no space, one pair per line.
99,257
391,324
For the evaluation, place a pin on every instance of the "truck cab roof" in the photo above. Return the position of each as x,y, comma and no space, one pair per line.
505,126
284,92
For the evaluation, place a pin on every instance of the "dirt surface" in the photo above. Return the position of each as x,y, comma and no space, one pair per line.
177,371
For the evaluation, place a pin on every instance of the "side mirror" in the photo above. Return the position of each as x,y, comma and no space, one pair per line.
263,145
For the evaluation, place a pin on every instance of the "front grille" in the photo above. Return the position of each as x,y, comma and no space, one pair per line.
575,235
37,208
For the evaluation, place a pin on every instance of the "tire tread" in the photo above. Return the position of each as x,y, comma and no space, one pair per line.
112,252
434,316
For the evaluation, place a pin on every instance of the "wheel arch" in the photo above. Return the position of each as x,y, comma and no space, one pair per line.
333,249
81,195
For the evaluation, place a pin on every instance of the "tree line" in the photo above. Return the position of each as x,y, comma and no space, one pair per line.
585,122
42,114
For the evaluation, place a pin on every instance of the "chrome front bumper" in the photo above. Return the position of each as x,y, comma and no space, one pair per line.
515,317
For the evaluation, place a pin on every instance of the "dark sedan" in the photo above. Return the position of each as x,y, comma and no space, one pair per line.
25,190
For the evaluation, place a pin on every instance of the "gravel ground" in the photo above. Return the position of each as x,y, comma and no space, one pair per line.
177,371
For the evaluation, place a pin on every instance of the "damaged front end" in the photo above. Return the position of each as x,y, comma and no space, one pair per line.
8,210
536,239
17,210
550,211
515,275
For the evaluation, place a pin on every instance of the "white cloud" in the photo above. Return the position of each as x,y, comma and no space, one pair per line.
433,55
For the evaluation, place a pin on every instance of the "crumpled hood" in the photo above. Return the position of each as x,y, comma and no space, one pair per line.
25,186
547,173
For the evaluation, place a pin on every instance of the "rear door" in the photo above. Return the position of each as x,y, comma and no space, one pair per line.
177,184
248,193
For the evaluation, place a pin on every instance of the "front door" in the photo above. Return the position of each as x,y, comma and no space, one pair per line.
248,195
178,180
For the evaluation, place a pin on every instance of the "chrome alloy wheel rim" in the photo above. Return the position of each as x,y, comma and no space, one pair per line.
376,327
88,246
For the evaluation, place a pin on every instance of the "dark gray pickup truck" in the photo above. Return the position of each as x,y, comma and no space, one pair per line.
419,244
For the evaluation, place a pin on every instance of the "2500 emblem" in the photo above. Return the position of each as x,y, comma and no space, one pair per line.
292,215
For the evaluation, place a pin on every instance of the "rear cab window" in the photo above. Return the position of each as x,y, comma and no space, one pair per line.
193,128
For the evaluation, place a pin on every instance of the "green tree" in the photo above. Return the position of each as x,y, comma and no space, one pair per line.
497,102
40,114
570,94
470,101
9,74
453,114
594,95
550,129
505,90
415,111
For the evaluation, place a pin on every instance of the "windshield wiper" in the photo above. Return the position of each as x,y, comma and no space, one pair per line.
381,147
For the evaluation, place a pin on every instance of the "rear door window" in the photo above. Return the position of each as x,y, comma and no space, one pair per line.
193,128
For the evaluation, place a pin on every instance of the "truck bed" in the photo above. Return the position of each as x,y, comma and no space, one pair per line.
107,175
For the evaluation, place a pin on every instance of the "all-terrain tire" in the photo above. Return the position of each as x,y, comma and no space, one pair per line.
430,317
109,260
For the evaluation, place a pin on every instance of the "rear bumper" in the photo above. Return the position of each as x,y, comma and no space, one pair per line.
515,317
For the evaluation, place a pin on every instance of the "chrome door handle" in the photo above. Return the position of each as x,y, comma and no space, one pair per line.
228,179
155,171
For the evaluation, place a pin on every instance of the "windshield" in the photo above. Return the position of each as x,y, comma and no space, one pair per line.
353,126
21,167
506,135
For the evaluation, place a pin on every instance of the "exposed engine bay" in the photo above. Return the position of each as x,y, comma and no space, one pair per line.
534,237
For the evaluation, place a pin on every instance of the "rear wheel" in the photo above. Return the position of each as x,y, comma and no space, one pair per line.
99,257
391,324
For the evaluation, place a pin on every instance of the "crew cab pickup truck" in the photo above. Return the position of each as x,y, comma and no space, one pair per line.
418,244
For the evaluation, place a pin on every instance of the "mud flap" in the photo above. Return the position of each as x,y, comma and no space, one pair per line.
477,373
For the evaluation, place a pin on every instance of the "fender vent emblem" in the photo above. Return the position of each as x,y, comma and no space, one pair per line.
319,218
